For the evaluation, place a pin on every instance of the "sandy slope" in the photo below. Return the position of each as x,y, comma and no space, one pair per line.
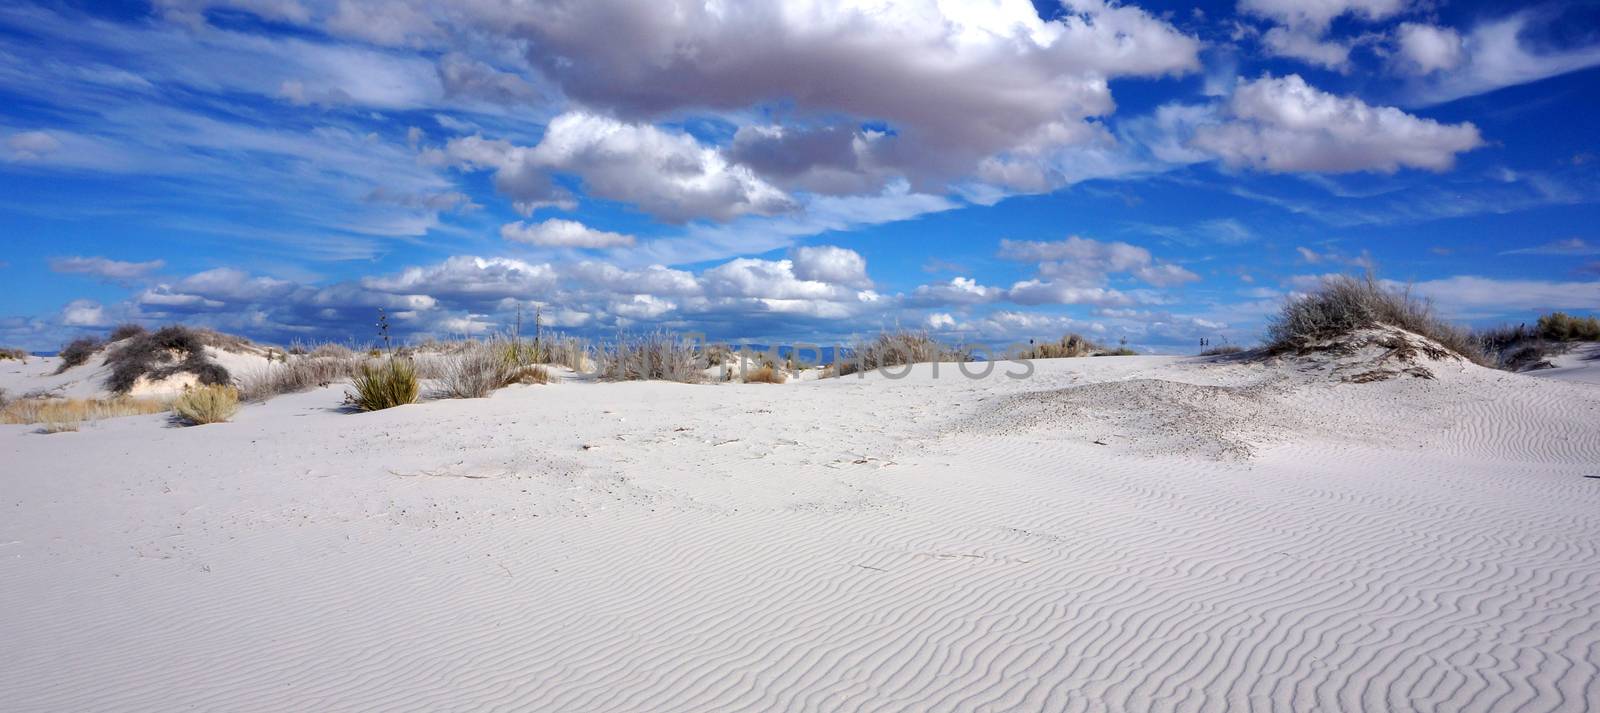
1249,537
1581,363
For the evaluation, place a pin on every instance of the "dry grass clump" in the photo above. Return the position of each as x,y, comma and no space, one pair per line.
1223,350
58,415
386,384
478,369
1343,304
1522,348
1072,345
532,374
330,350
297,374
163,353
659,356
207,404
12,353
896,349
77,352
765,375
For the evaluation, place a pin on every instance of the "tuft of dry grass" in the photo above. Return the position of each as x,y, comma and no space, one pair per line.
387,384
1223,350
11,353
207,404
765,375
58,415
297,374
896,349
1071,345
125,331
532,374
660,356
477,369
1343,304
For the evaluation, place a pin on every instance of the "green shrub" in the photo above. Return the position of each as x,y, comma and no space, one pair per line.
390,383
207,404
167,351
1563,327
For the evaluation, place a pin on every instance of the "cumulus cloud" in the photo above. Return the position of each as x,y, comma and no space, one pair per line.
1282,124
558,233
1300,28
114,271
669,175
830,264
477,278
1423,48
958,291
84,313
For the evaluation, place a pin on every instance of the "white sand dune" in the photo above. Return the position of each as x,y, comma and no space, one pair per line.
1248,537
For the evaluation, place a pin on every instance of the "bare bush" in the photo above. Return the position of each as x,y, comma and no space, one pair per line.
896,349
163,353
659,356
126,331
77,352
207,404
1343,304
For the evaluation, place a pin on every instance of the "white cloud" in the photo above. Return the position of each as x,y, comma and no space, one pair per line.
1570,246
958,291
669,175
1282,124
1083,262
31,145
1469,295
558,233
114,271
470,277
1038,292
833,265
84,313
1495,55
1424,48
1301,26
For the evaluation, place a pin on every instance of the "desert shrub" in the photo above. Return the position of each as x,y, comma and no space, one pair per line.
1562,327
1072,345
1343,304
1119,351
765,375
163,353
896,349
10,353
386,384
207,404
296,374
655,356
479,368
77,352
65,414
125,331
1223,350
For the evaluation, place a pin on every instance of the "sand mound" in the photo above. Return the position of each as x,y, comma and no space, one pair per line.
1376,354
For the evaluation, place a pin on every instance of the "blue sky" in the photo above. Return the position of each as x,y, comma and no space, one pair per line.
989,171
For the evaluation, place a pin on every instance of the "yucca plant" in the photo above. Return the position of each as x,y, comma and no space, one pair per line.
209,403
391,383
